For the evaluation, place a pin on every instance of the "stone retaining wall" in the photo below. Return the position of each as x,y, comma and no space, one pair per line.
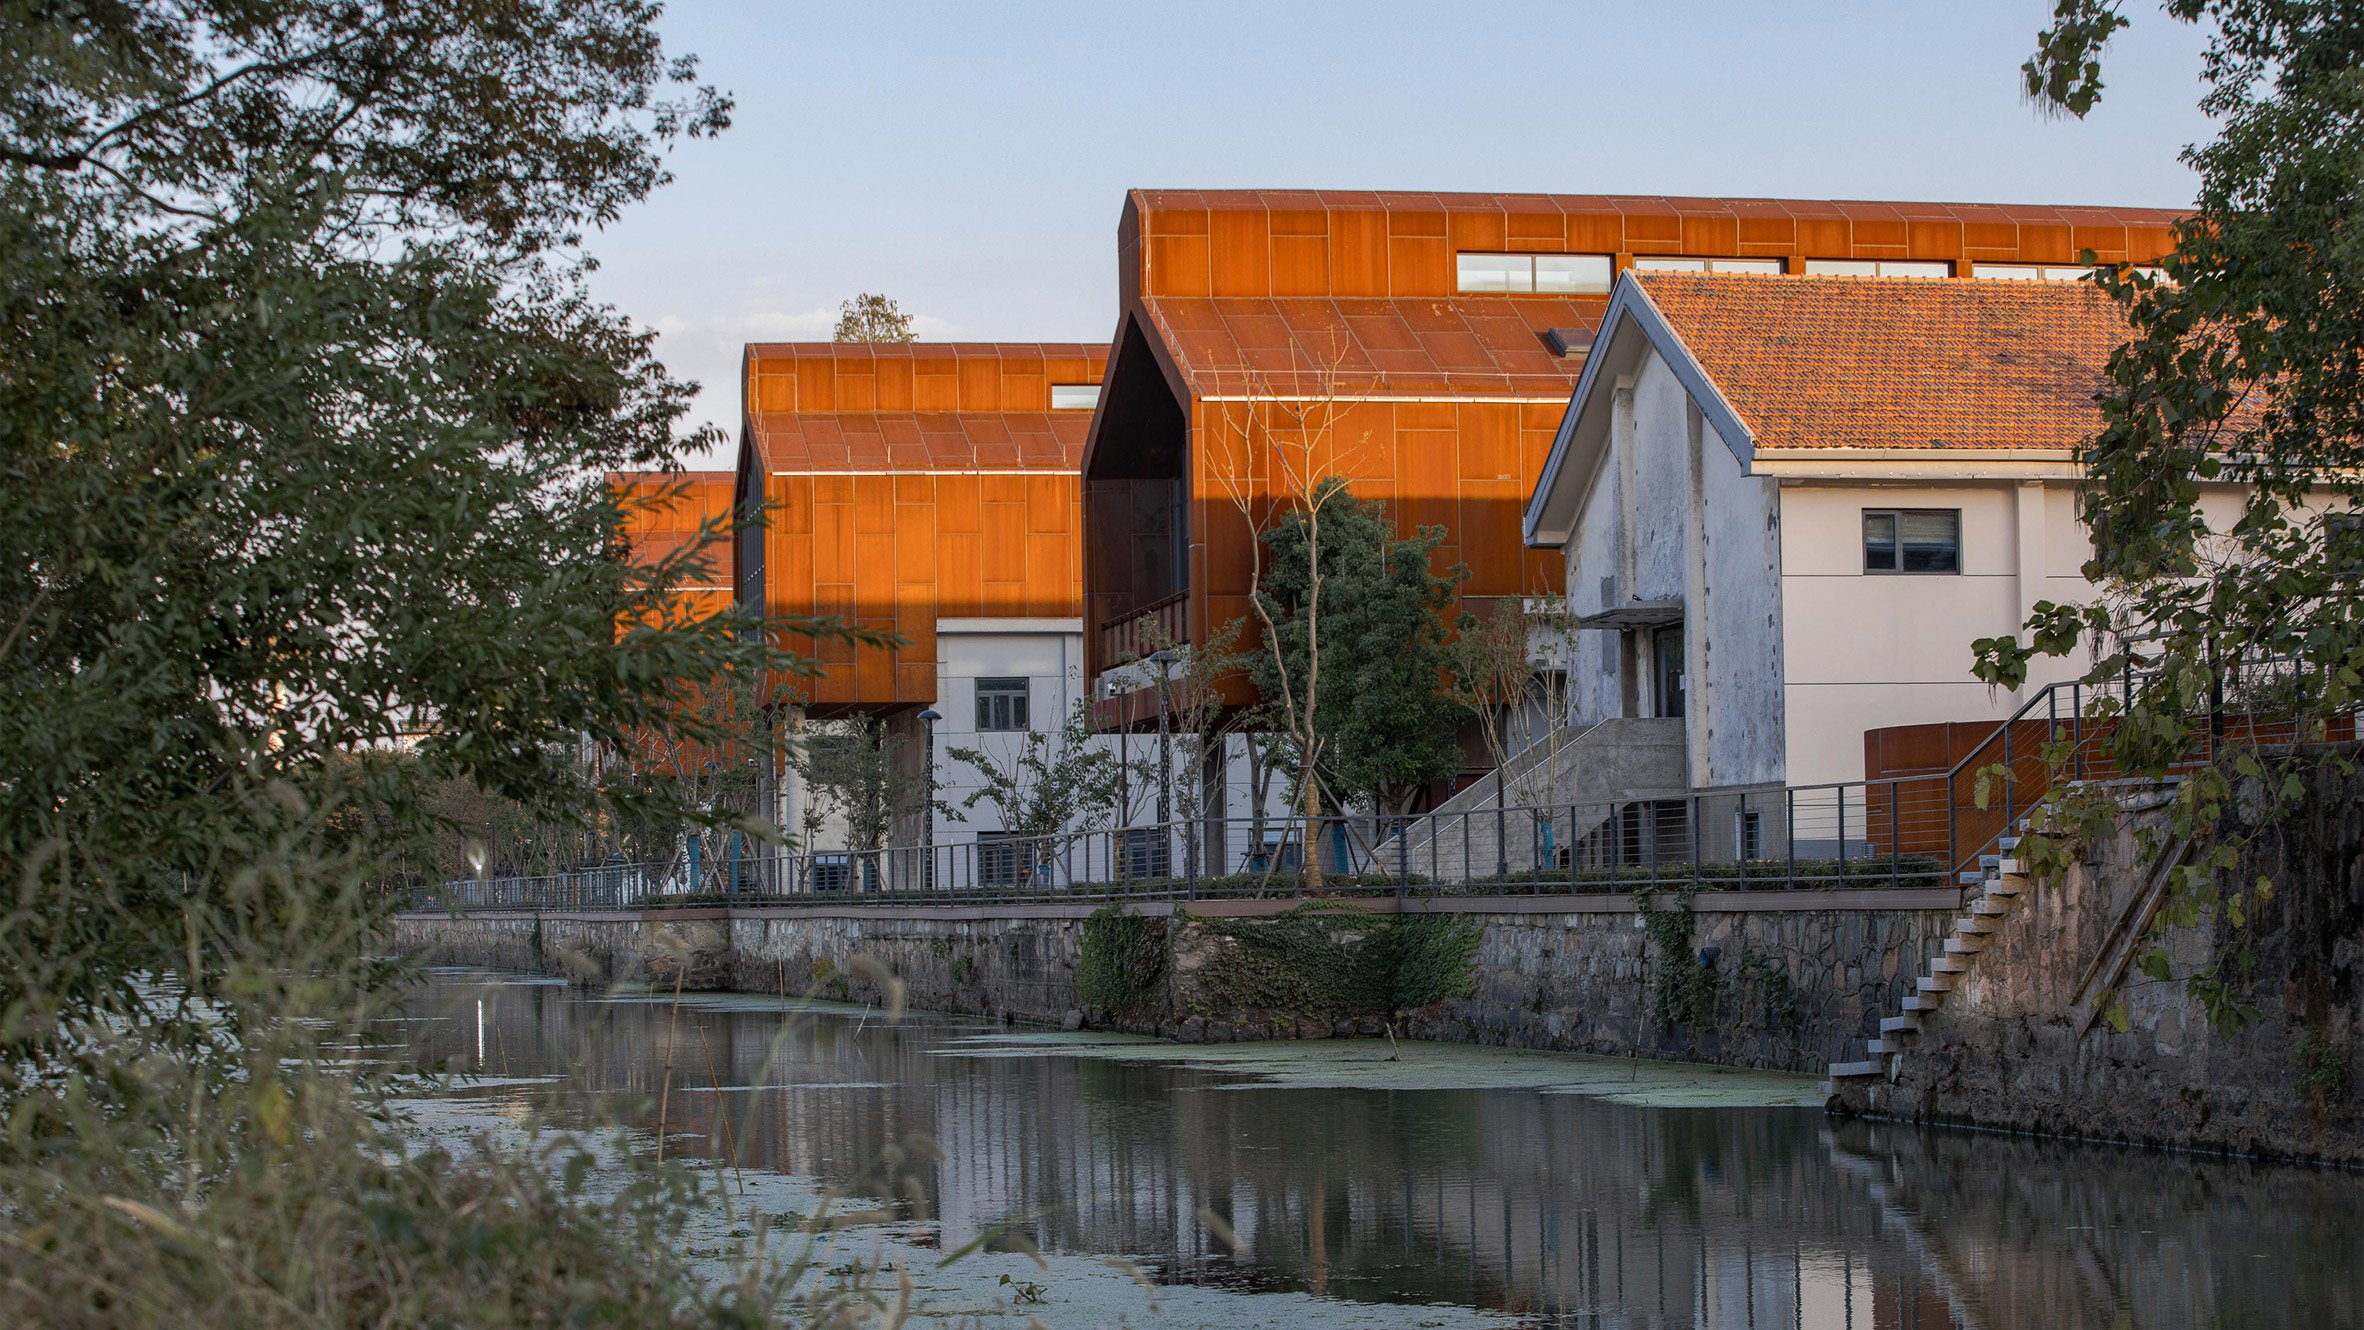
1797,977
1571,973
2004,1051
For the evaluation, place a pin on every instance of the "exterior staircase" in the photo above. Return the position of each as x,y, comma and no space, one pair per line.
1994,890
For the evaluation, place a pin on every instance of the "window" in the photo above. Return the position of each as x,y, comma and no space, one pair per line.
2031,272
1878,268
1748,834
1912,540
1533,274
2048,272
1670,263
832,872
1005,859
1074,396
2343,543
1001,704
1145,852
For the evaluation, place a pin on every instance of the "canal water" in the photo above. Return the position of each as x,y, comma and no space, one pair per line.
1117,1181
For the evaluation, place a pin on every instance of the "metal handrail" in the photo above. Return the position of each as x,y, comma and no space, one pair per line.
1880,833
1126,627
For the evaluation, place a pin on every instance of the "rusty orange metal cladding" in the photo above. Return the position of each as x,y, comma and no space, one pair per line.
1265,332
908,482
663,514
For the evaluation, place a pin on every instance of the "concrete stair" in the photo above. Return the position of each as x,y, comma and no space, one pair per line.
2001,880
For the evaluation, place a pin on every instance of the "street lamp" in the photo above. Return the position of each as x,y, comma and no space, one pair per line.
927,813
1165,759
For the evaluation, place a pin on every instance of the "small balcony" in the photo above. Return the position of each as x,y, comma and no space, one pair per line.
1158,624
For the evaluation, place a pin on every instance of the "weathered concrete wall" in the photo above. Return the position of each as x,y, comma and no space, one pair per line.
2004,1050
1797,975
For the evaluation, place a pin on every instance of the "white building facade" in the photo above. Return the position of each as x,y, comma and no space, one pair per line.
1791,504
1005,684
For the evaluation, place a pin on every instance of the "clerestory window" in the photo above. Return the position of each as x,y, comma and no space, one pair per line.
1878,268
1684,263
1534,274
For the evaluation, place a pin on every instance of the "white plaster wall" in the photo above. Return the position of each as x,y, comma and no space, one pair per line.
1595,682
1048,653
1867,650
1705,533
1661,471
1739,648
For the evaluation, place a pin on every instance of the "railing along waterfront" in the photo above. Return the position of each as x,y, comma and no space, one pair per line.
1860,834
1928,830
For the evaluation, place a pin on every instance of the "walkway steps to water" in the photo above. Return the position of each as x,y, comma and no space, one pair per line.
2001,882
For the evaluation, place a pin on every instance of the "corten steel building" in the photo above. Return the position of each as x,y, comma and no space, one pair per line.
911,482
663,513
1424,346
929,490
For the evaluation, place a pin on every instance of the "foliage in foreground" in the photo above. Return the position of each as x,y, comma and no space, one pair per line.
2242,370
305,427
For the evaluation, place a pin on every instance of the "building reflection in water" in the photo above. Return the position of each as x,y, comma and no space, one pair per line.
1556,1207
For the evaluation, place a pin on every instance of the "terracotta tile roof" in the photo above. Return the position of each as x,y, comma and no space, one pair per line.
1460,347
1851,362
896,406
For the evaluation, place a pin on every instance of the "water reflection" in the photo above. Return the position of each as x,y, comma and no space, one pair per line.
1557,1209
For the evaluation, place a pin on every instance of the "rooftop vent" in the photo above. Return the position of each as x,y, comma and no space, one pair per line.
1569,343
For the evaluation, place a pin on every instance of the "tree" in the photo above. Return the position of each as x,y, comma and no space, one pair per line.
1388,727
744,721
305,424
1507,674
1045,791
2242,366
863,773
872,318
1275,455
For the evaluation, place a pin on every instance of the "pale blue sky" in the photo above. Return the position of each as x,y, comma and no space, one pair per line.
970,159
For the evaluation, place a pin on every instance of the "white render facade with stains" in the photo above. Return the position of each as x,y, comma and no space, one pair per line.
1733,585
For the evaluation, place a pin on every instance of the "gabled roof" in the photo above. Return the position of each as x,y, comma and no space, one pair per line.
1897,363
817,407
1250,347
1899,368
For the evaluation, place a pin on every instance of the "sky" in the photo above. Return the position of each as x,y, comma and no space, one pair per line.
970,160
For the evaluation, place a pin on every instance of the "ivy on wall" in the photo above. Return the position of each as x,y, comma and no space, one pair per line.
1335,962
1686,991
1321,960
1124,961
